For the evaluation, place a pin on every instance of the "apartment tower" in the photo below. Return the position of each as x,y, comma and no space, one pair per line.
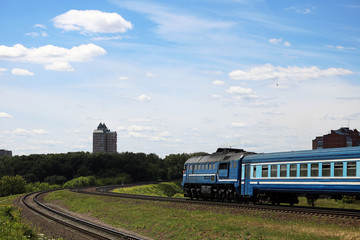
104,140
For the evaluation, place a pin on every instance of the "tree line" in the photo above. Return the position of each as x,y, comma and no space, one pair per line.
60,168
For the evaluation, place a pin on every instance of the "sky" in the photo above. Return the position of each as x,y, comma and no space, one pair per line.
177,76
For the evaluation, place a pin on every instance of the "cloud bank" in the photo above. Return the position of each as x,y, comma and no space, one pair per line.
53,57
270,72
92,21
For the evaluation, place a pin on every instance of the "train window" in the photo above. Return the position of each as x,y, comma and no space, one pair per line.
226,158
202,166
314,169
234,164
254,172
293,170
326,169
303,170
273,169
338,169
283,168
264,171
223,166
351,169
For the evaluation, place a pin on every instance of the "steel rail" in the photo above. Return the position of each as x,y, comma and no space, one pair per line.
347,213
82,222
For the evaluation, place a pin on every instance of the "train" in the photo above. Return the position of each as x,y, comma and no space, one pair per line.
236,175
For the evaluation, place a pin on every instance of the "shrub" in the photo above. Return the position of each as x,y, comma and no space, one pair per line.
38,186
80,182
10,185
11,226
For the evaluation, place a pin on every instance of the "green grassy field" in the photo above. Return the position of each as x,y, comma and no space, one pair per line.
11,226
165,189
161,220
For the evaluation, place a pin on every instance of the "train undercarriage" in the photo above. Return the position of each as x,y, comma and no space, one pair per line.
227,192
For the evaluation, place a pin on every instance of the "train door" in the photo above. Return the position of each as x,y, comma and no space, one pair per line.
247,180
223,171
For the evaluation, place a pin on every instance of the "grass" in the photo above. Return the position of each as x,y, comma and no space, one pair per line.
11,225
165,189
162,220
330,203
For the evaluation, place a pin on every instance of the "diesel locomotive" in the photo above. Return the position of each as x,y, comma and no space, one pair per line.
236,175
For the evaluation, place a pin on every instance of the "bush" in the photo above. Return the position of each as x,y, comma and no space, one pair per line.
38,186
121,178
55,179
11,226
80,182
10,185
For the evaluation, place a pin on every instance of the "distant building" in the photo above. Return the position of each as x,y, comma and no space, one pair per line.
104,140
4,152
343,137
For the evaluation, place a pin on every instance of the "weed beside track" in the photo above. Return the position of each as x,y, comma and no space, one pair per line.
166,220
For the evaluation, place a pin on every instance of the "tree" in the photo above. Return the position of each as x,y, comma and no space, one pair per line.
10,185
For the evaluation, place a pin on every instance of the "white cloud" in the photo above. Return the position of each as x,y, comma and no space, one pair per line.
2,70
275,40
5,115
270,72
176,26
238,124
21,132
123,78
59,66
32,34
150,75
92,21
107,38
24,132
218,83
144,98
242,92
40,131
140,128
21,72
339,47
141,120
40,26
213,72
74,131
136,135
51,55
300,10
37,34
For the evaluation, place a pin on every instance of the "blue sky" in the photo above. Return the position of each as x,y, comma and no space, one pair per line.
177,76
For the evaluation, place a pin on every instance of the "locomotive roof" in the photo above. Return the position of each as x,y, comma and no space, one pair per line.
319,154
222,154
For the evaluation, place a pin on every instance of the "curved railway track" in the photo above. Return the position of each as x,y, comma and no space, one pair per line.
86,228
331,212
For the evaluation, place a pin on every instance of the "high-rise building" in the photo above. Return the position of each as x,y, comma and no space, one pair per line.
343,137
4,152
104,140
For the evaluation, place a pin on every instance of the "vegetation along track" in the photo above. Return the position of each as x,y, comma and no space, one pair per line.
329,212
92,230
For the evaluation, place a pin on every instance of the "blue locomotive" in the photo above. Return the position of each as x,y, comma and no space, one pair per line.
235,174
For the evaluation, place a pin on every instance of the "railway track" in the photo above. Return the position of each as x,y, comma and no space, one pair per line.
86,228
330,212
